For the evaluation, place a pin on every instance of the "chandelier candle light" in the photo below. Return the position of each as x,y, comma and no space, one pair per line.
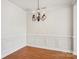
38,15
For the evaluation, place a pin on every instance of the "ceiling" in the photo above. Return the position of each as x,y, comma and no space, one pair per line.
32,4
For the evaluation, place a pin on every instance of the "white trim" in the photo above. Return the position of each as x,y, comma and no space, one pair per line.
13,50
49,48
52,49
53,35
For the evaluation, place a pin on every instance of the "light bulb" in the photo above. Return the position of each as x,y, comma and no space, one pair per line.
43,17
33,11
43,11
33,18
38,10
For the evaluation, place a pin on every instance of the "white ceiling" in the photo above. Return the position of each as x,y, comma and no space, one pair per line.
32,4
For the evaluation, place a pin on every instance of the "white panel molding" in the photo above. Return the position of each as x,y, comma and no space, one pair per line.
52,35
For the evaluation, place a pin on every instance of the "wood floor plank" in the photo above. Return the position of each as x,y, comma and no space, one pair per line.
38,53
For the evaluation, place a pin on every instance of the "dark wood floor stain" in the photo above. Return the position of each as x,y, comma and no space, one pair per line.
38,53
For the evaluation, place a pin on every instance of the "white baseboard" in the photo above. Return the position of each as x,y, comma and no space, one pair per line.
49,48
13,50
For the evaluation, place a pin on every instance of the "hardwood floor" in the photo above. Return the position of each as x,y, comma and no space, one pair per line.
38,53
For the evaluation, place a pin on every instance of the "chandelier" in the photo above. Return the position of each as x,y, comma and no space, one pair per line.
38,15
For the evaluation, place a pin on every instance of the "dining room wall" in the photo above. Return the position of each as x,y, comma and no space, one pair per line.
13,27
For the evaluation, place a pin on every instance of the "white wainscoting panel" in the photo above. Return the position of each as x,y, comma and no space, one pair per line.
59,43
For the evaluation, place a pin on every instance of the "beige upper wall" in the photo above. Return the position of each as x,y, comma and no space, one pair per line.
58,22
